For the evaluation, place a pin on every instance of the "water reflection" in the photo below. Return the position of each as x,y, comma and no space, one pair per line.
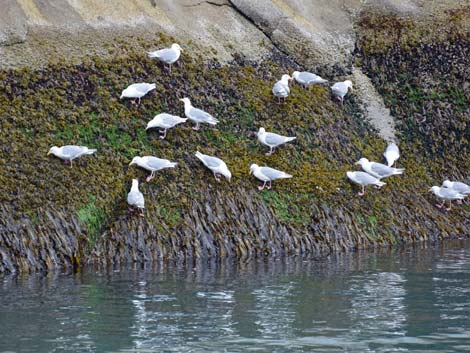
412,300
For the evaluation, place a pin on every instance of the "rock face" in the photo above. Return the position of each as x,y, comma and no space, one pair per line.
77,56
12,23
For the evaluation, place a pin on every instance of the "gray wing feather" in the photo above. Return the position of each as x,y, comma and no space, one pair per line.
167,55
136,199
73,151
381,169
274,139
211,162
280,89
200,115
272,173
156,163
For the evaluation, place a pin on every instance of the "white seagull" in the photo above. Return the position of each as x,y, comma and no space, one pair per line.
281,88
70,152
267,175
135,198
446,194
168,55
391,154
197,115
152,164
137,91
378,170
272,140
216,165
340,89
307,79
165,121
364,179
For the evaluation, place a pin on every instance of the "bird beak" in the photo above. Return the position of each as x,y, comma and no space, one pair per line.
251,171
357,162
132,162
48,153
181,100
430,190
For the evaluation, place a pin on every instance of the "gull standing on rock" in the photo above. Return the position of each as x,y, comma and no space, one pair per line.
272,140
307,79
70,152
216,165
197,115
168,55
135,198
267,175
391,154
378,170
165,121
364,179
446,194
281,88
137,91
152,164
340,89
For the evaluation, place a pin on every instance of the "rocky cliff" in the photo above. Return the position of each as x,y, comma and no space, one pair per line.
64,64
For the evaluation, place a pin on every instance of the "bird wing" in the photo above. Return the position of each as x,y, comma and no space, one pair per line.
274,139
340,89
280,89
136,198
272,173
448,193
143,87
307,76
167,55
461,187
201,115
381,169
364,178
211,162
72,151
157,163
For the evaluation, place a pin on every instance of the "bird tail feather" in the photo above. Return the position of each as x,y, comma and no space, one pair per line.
90,151
398,171
290,139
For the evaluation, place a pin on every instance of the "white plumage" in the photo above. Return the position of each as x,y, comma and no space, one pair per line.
216,165
267,175
364,179
197,115
152,164
168,55
272,140
70,152
340,89
165,121
391,154
137,90
135,198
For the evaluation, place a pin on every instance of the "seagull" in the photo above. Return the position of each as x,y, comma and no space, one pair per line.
378,170
70,152
281,88
267,174
197,115
135,198
165,121
152,164
307,79
391,154
446,194
137,91
272,140
215,164
364,179
340,89
168,55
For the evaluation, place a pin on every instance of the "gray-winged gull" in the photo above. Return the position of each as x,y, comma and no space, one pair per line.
165,121
340,89
391,154
168,55
216,165
458,186
137,91
135,198
281,88
267,175
70,152
197,115
446,194
307,79
378,170
364,179
272,140
152,164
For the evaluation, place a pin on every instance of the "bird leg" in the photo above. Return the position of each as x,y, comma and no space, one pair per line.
262,187
139,101
217,177
450,205
362,193
270,185
270,151
141,214
278,100
150,177
196,127
459,202
170,68
440,205
164,134
71,164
